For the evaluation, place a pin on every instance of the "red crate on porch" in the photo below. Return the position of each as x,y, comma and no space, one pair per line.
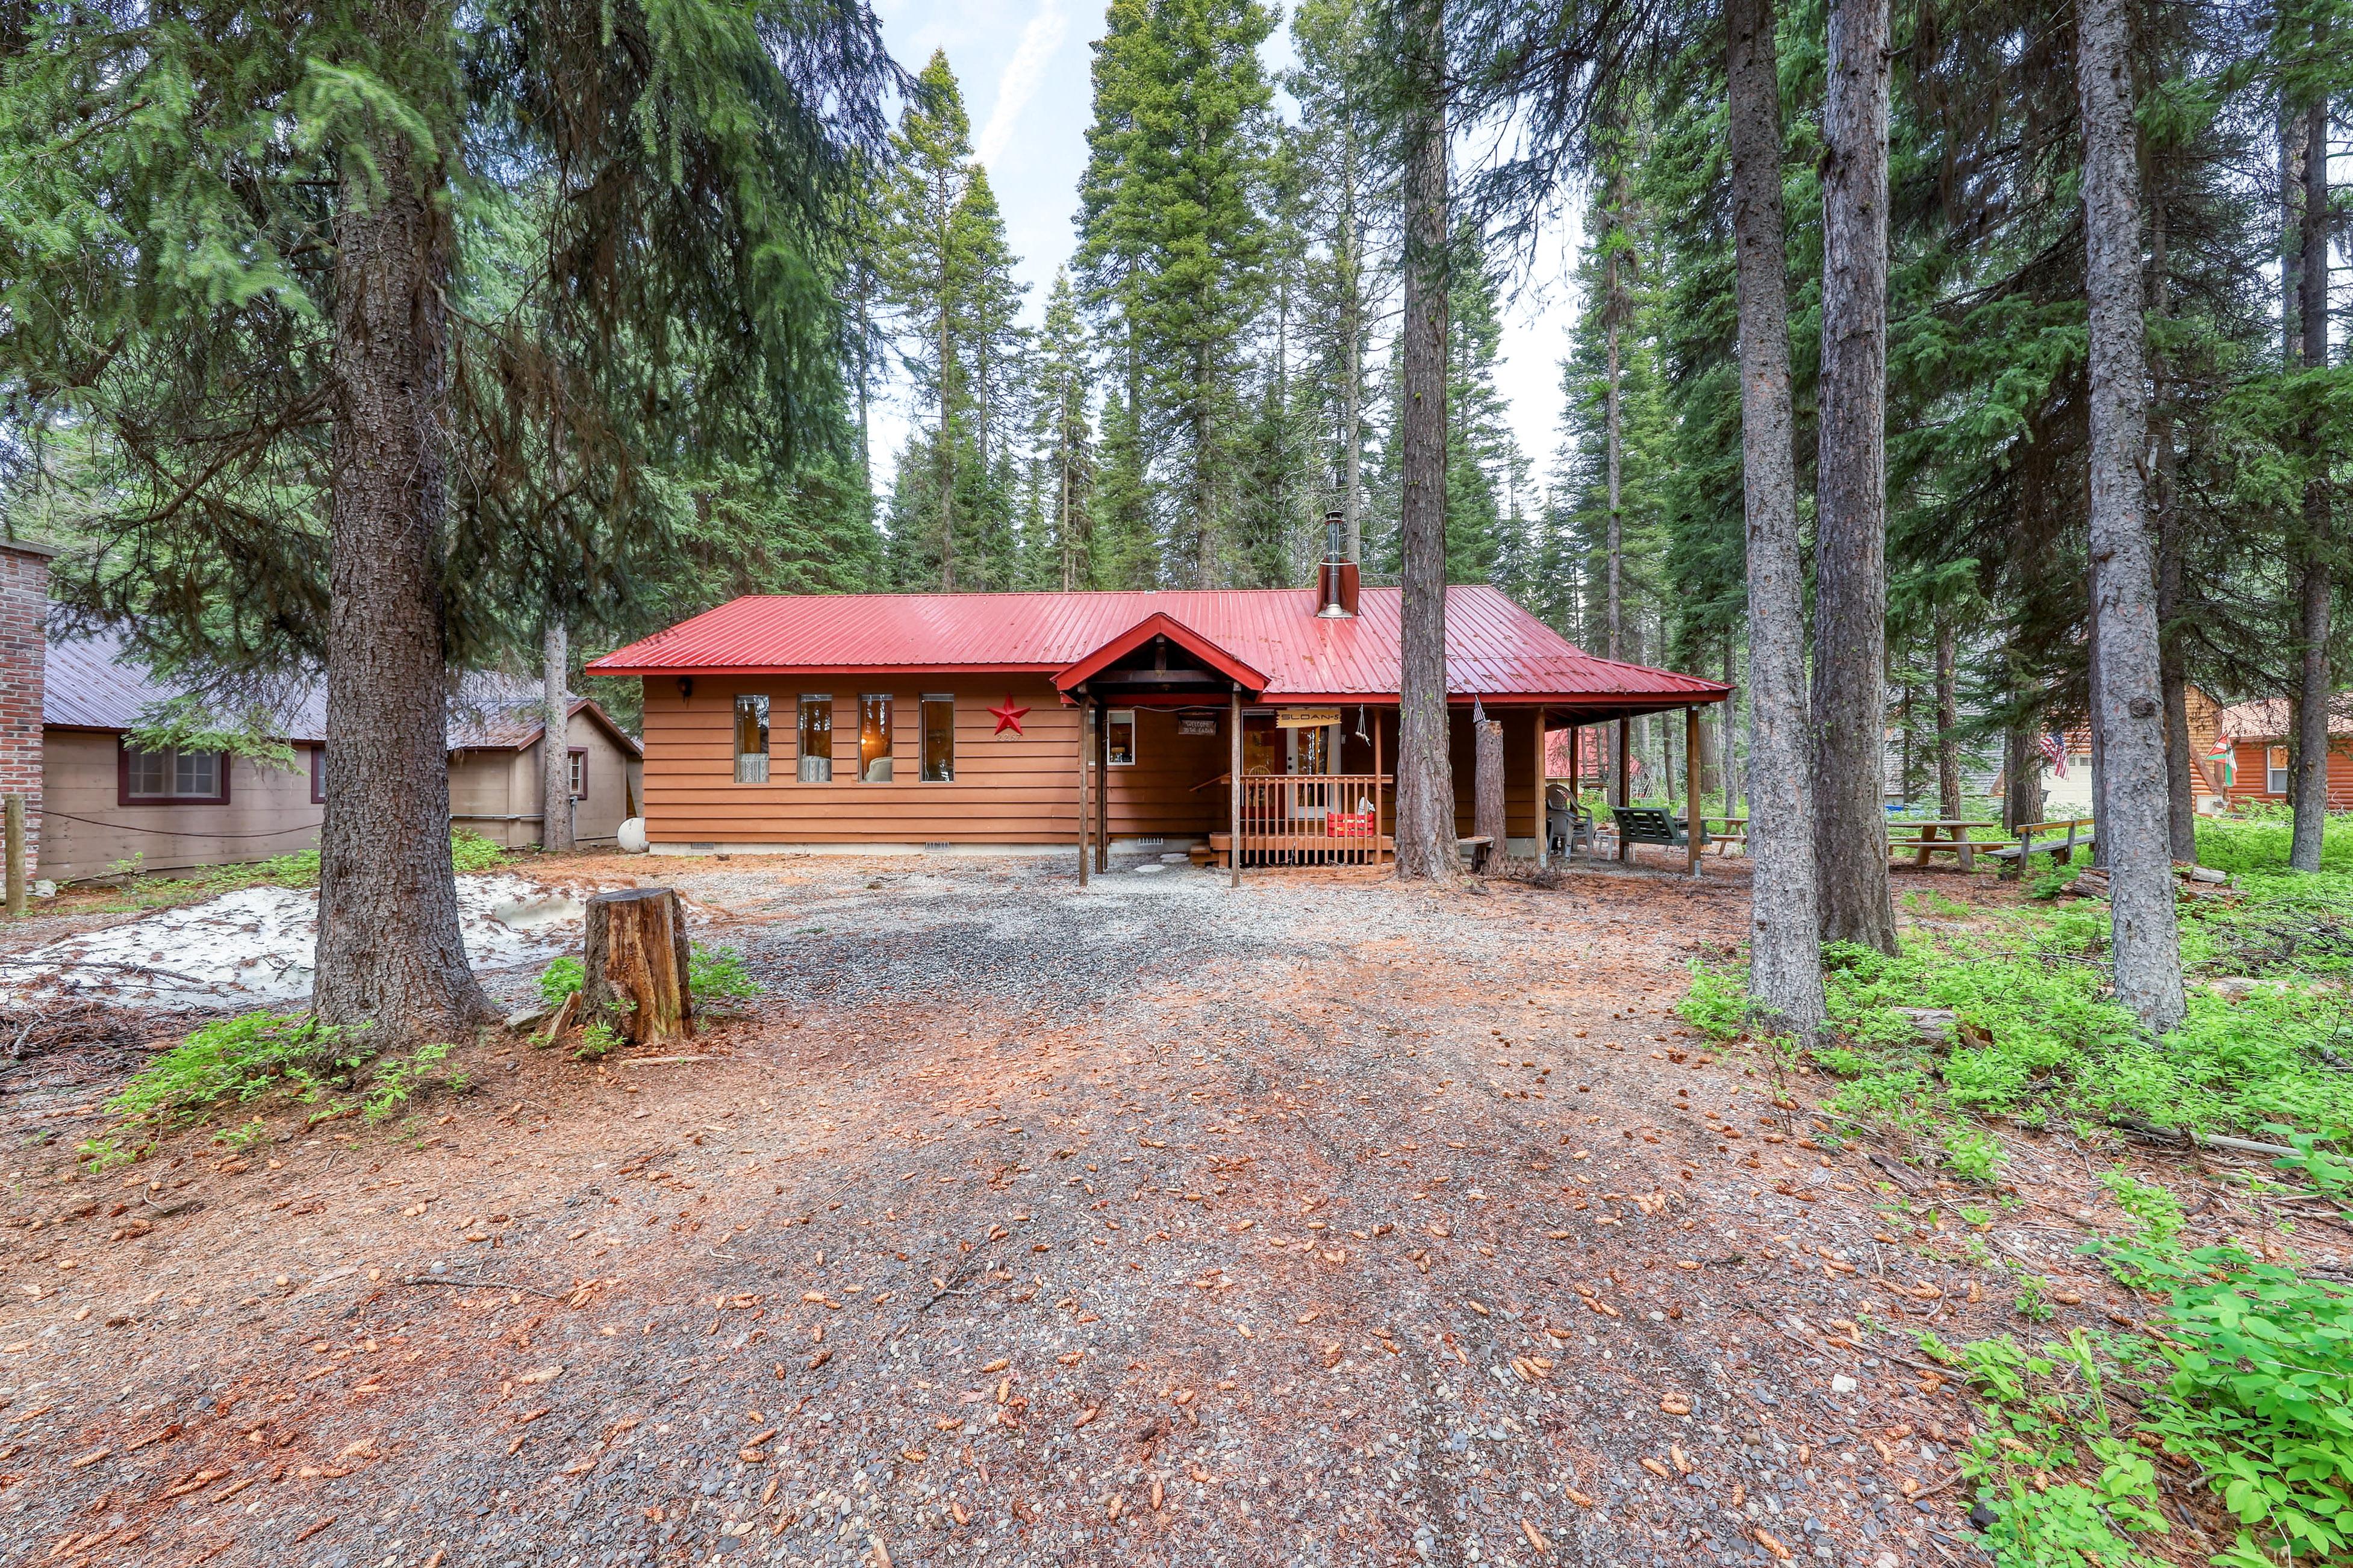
1348,825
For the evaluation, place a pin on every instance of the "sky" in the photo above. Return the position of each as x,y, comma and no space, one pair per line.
1023,66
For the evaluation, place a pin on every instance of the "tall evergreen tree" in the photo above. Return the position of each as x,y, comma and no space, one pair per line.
1850,719
1065,439
246,296
1171,245
1347,185
1425,810
2128,716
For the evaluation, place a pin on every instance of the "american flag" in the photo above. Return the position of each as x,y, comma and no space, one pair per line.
2054,751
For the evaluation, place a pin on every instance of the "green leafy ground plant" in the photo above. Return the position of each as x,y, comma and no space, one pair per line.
714,976
231,1063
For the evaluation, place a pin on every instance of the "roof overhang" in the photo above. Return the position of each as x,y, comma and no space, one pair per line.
1215,661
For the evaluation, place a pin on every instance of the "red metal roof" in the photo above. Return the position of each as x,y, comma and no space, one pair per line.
1494,649
1160,624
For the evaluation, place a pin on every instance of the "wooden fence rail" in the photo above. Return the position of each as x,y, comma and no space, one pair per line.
1312,819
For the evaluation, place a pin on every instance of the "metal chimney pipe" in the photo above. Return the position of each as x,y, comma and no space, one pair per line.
1335,580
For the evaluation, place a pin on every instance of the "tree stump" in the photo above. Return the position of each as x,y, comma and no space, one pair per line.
1487,783
637,965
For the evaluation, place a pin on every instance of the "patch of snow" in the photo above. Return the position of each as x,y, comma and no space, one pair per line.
255,947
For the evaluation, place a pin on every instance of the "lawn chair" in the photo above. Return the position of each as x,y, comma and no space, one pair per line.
1567,825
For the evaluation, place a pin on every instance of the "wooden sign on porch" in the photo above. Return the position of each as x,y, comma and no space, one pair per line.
1305,718
1197,723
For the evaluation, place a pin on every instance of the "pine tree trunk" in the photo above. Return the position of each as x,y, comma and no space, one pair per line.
1948,724
389,951
554,746
2314,684
1785,972
2021,772
1425,808
1726,719
1203,499
1352,415
946,459
2131,721
1487,783
1851,509
2181,797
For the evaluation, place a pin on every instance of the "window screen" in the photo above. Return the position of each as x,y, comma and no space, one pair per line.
817,740
1120,736
874,739
939,740
751,740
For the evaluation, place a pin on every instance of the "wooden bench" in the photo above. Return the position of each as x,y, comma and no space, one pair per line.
1482,849
1653,825
2080,836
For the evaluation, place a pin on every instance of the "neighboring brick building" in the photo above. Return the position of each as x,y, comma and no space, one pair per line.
24,649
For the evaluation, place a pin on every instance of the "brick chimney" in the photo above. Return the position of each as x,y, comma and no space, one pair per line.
24,655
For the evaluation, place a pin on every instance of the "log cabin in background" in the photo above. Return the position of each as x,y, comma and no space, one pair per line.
2249,763
1009,721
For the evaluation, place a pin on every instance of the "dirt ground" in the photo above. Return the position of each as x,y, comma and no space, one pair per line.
1324,1221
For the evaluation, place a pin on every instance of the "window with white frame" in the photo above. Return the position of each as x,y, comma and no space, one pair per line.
1119,736
2275,770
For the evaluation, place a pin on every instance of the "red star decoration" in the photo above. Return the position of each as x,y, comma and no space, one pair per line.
1008,717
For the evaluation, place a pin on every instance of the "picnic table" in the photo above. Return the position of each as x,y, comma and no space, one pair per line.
1925,842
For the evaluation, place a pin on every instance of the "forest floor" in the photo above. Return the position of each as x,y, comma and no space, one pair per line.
1324,1221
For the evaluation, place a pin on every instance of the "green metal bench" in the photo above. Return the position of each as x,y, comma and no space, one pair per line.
1653,825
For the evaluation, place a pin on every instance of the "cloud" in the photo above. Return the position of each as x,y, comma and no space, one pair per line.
1019,82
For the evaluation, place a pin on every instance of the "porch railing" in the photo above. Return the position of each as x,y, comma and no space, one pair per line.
1312,819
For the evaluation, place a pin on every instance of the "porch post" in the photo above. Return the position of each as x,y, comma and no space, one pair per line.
1234,782
1575,787
1378,859
1691,787
1543,828
1625,851
1086,717
1102,786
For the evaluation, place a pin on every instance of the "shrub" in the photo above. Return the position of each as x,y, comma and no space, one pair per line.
563,977
715,975
233,1060
236,1061
1972,1154
471,852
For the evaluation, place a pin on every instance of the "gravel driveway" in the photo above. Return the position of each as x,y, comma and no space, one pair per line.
1322,1222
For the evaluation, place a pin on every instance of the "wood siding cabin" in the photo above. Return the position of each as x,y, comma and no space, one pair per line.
980,721
109,808
2258,735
